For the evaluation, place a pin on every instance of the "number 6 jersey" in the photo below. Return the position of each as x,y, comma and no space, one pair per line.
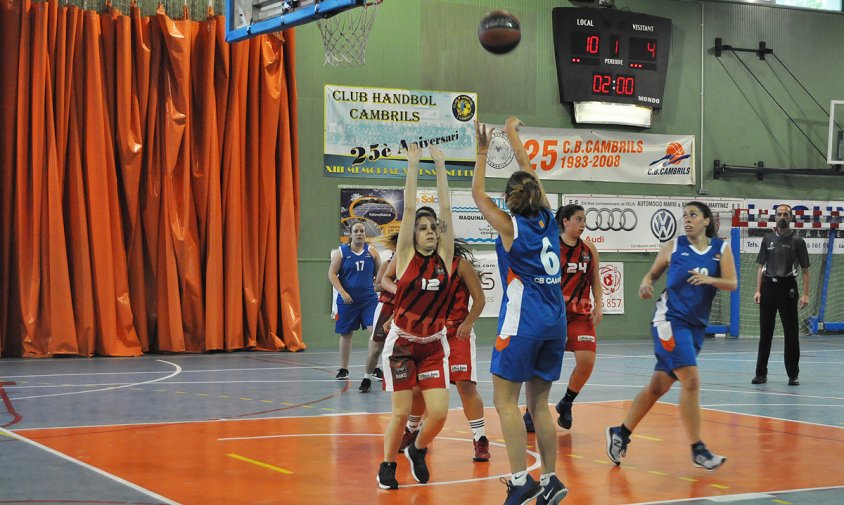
533,302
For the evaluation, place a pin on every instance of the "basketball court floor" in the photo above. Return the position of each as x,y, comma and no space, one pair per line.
249,428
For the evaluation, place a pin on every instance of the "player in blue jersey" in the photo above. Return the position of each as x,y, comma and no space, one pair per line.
698,264
352,273
532,324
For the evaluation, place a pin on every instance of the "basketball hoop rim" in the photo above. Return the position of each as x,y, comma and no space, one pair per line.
364,4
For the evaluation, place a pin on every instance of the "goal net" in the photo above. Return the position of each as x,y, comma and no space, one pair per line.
738,315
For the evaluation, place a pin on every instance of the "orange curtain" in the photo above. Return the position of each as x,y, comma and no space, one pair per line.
149,193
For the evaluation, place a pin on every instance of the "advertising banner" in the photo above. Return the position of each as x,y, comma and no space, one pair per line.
469,224
486,264
596,155
816,240
612,282
380,209
641,223
365,130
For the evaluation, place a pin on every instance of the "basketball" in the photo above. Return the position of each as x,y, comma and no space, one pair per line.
499,32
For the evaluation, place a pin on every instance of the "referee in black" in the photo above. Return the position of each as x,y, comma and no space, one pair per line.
776,290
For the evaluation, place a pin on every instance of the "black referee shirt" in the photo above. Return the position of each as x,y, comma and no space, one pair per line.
779,253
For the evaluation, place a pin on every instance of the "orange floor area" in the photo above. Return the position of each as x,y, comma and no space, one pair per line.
335,459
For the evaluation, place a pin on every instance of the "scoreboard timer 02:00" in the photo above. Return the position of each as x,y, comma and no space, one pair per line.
607,55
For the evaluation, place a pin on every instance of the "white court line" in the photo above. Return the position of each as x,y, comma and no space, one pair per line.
774,418
770,393
115,478
717,499
243,419
534,455
382,413
263,369
703,356
266,369
176,372
769,405
126,384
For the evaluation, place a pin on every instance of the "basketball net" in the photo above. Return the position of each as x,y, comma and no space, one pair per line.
344,35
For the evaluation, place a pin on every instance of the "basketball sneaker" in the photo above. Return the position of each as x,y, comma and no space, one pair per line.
418,467
521,495
616,444
342,374
387,476
565,419
553,492
365,385
481,449
528,422
702,458
377,374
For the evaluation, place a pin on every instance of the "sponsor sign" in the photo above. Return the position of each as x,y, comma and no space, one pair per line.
612,282
486,265
366,129
816,240
640,223
596,155
380,209
469,224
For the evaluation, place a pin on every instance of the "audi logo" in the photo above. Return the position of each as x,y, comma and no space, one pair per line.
606,219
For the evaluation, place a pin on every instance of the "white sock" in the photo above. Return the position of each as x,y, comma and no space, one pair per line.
478,430
367,375
519,478
545,478
414,422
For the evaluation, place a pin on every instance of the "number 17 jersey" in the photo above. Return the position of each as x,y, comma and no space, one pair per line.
533,302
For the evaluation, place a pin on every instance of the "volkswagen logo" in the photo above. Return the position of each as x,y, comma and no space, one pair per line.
663,225
606,219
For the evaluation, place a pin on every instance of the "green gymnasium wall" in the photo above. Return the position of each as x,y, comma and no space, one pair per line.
432,44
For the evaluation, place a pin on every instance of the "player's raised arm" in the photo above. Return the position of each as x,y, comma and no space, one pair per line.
522,158
445,247
404,246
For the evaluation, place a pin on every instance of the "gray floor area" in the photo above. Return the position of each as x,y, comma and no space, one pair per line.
171,388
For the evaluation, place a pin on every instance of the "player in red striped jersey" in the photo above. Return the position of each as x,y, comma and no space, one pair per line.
462,361
581,274
416,350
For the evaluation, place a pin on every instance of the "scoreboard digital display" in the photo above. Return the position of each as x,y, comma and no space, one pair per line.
609,55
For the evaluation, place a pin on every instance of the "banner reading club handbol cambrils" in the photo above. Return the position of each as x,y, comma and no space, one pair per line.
367,128
596,155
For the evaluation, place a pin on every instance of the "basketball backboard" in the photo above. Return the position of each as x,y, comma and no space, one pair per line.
835,143
248,18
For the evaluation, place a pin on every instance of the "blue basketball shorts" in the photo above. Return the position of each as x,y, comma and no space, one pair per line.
355,316
676,345
520,359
